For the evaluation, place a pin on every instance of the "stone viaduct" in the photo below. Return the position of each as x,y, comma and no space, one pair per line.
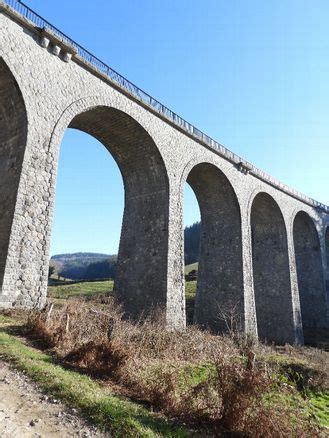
264,247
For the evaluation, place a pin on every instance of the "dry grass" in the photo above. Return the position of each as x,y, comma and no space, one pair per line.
215,383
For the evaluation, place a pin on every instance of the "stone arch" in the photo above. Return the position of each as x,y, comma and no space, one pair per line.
141,280
220,276
272,286
13,138
309,272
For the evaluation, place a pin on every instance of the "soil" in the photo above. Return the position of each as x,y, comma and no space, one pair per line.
26,412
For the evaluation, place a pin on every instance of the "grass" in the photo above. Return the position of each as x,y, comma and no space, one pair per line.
95,403
83,289
91,289
312,383
88,289
320,407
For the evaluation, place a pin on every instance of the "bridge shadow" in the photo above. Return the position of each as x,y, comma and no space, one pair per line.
20,331
317,337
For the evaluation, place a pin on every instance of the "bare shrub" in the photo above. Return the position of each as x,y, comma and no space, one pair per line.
100,359
248,405
38,330
214,382
74,324
229,316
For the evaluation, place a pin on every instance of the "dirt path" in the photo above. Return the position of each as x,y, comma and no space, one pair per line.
26,412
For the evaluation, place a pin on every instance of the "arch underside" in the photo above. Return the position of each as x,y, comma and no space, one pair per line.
271,273
141,275
13,133
309,273
220,279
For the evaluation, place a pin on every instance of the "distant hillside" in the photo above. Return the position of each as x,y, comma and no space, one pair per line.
80,257
90,266
192,243
84,265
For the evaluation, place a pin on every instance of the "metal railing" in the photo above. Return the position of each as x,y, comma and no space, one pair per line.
148,100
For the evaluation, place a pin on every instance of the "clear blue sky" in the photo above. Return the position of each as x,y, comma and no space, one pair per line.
252,74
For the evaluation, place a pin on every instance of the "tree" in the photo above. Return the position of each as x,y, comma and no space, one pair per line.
192,243
51,270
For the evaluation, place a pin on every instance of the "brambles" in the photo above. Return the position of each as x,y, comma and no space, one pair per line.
212,383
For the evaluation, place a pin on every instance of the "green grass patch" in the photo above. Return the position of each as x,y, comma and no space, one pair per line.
190,289
304,375
83,289
320,407
6,319
188,375
193,375
91,289
112,413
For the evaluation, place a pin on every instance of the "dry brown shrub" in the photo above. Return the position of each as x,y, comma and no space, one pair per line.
276,421
77,322
38,330
248,406
166,386
100,359
154,365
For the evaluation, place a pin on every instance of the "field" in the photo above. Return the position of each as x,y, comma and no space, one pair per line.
80,289
88,290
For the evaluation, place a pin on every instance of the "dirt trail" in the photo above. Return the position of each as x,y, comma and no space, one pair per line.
26,412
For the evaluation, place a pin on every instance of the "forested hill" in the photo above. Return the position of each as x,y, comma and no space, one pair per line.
84,265
191,243
91,266
79,257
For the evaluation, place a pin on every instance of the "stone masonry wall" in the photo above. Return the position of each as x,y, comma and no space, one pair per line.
13,127
272,283
309,272
220,280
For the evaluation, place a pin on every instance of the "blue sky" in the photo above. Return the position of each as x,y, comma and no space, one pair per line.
252,74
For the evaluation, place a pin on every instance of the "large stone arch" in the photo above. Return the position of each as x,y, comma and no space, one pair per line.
270,258
309,273
220,276
13,137
141,283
